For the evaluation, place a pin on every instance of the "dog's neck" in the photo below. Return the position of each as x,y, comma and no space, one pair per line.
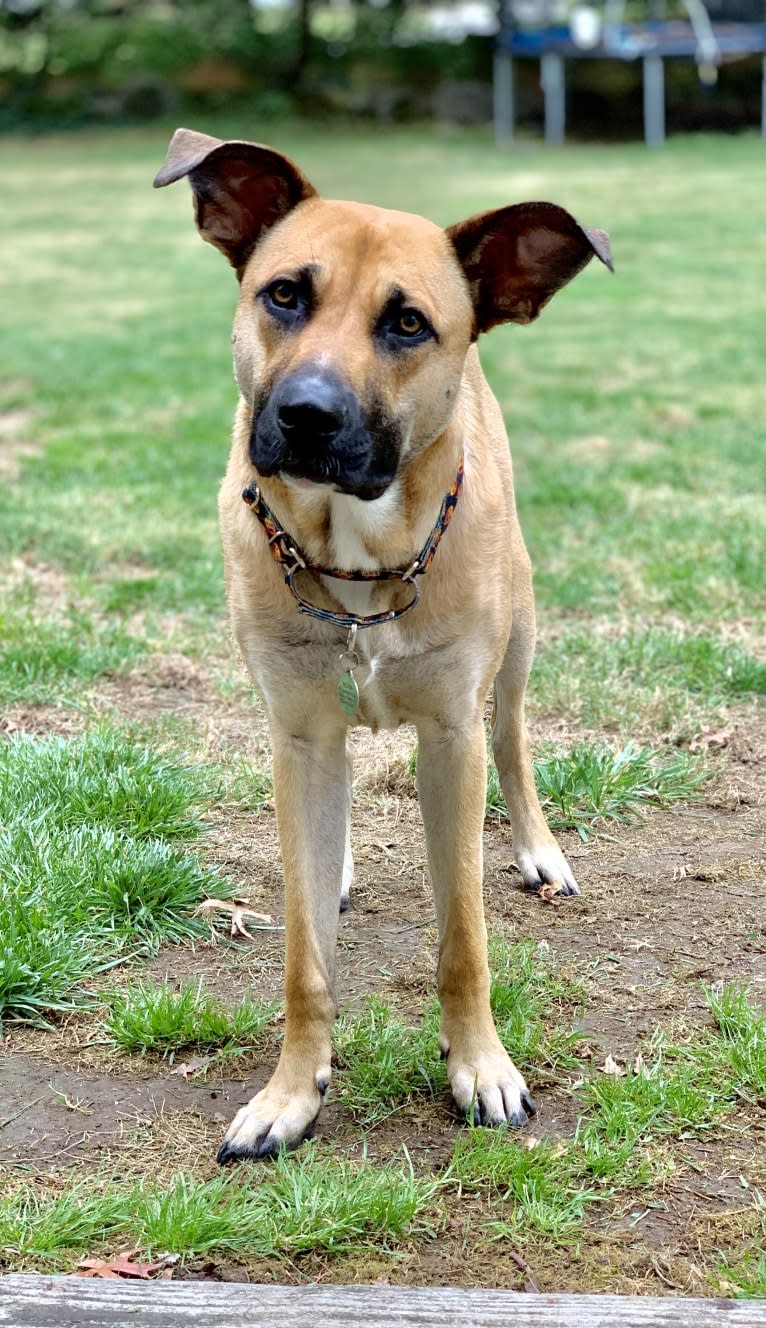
339,530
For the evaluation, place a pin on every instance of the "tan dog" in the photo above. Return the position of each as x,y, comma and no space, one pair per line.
360,393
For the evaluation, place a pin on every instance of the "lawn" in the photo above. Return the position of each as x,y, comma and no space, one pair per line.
134,771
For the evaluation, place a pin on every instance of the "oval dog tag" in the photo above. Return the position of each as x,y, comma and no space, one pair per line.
348,693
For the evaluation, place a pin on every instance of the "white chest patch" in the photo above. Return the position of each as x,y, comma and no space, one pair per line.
351,521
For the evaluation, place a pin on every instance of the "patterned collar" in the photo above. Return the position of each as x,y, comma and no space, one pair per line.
288,554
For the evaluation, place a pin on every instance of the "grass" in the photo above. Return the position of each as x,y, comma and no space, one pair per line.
386,1064
157,1018
100,779
628,1136
592,784
537,1189
672,678
745,1274
741,1039
534,1001
312,1202
631,1134
45,660
93,864
680,1088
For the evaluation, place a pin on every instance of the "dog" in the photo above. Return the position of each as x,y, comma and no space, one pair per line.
375,569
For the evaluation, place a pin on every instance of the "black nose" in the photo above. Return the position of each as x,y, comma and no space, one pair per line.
311,407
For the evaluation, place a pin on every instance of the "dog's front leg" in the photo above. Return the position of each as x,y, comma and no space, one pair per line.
452,786
311,802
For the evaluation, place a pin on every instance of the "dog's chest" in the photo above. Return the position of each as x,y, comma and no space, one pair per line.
353,524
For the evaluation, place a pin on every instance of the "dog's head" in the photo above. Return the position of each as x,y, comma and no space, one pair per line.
353,321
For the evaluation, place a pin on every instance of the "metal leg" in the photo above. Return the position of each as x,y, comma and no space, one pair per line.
554,93
654,101
503,99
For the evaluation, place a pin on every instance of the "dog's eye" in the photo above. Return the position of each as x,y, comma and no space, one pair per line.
401,327
284,294
409,323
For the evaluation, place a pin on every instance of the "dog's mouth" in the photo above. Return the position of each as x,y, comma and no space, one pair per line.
312,429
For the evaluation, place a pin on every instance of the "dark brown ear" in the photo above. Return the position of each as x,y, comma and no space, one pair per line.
240,189
516,259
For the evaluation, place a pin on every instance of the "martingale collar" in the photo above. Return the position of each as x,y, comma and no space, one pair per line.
286,552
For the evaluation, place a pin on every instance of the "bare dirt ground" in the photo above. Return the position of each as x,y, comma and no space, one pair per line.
668,904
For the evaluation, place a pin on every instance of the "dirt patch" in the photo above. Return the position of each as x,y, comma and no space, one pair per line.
44,582
51,1114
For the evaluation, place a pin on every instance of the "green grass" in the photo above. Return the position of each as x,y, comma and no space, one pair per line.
630,1134
745,1272
534,1001
311,1202
663,1096
592,784
741,1039
668,677
680,1088
537,1189
101,779
385,1064
93,868
157,1018
46,660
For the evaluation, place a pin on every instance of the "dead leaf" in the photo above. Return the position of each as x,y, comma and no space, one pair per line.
187,1068
123,1265
612,1067
530,1141
238,909
549,892
638,1063
706,741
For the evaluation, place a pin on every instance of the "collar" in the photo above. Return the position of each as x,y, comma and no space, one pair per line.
286,552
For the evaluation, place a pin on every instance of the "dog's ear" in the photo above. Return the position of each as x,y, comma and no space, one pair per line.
240,189
516,259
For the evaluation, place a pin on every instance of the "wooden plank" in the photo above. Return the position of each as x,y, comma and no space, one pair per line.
65,1302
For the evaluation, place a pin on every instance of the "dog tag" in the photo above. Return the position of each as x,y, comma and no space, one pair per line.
348,693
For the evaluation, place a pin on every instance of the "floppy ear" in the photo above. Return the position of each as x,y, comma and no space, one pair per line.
240,189
516,259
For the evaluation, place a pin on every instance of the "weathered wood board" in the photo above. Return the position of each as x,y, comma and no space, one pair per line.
65,1302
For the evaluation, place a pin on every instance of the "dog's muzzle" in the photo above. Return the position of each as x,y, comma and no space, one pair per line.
312,426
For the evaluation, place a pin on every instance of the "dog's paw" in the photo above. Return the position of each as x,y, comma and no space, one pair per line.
273,1121
546,871
489,1090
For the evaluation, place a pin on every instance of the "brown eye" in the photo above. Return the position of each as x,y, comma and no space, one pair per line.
284,294
410,323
